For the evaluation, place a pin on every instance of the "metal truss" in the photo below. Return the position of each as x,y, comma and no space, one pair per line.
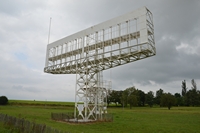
116,42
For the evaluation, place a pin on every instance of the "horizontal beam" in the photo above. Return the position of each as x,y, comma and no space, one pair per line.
99,64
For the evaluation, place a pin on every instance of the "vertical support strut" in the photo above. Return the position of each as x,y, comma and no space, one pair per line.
90,96
90,90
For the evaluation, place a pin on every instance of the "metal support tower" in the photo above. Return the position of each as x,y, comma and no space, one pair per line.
113,43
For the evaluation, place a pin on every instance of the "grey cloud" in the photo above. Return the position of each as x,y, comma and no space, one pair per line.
24,28
22,88
16,8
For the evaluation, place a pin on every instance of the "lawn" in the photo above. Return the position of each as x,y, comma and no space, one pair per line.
135,120
40,103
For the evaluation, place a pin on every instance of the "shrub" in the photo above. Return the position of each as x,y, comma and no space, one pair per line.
3,100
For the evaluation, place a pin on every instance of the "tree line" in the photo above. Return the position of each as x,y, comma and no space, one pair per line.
133,97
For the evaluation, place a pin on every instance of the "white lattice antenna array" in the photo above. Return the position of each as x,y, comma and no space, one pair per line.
113,43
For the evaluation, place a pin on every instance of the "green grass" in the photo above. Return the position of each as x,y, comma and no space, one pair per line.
40,103
135,120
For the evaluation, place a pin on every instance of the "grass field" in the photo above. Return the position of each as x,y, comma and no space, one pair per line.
135,120
40,103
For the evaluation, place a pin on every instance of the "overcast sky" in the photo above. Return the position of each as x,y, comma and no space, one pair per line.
24,26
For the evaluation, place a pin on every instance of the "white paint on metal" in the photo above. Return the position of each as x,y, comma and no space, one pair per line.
116,42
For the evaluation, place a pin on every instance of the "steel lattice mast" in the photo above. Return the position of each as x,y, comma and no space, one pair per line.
113,43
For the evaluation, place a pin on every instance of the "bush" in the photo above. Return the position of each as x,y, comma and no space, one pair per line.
3,100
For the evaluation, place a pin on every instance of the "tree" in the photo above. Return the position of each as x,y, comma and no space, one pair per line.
129,96
141,97
192,97
159,93
184,93
124,98
179,99
167,100
184,88
3,100
198,93
114,96
132,100
194,85
149,98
